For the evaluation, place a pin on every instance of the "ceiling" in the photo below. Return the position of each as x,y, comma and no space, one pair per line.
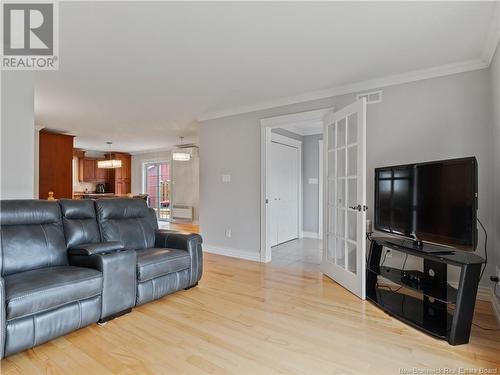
140,74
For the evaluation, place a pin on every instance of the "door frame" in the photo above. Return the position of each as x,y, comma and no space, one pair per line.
320,187
267,124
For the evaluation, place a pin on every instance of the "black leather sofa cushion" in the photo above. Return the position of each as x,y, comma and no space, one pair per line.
35,291
127,220
29,211
155,262
32,236
80,222
96,248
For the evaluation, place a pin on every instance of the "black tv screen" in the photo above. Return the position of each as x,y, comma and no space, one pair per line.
433,202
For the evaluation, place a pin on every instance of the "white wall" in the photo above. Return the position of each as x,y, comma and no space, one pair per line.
137,162
495,90
186,184
17,133
439,118
185,177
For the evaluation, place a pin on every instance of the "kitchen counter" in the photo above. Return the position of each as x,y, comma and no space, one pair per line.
80,195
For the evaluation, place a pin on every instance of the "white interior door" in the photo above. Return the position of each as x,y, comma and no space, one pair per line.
284,193
344,197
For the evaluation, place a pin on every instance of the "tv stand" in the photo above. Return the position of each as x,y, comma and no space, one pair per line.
433,305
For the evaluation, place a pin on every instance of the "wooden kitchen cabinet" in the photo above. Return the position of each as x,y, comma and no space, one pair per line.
117,178
55,165
101,174
87,169
120,177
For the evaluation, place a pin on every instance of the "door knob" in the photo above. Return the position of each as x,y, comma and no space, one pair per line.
358,207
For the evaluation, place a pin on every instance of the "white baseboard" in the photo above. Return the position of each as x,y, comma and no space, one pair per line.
233,253
314,235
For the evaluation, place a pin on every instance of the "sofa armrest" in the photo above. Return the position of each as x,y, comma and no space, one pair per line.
3,318
96,248
191,242
119,278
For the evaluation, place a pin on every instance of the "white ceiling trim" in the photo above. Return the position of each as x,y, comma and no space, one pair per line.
309,117
397,79
493,38
156,150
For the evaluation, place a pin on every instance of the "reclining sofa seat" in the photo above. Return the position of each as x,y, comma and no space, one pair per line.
85,249
42,296
63,267
167,261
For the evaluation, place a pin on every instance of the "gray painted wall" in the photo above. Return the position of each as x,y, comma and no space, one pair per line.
432,119
17,135
495,89
310,192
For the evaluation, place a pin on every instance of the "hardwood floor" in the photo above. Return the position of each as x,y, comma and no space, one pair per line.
181,227
250,318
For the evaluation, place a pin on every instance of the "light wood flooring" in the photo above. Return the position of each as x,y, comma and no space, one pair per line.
181,227
251,318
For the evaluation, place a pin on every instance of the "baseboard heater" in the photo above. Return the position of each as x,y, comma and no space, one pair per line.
182,212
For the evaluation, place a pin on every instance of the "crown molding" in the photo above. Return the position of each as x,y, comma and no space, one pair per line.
142,152
396,79
493,37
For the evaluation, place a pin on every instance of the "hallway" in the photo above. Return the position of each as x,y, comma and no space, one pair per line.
303,253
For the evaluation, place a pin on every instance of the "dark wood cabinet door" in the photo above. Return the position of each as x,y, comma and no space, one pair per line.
55,165
89,166
101,173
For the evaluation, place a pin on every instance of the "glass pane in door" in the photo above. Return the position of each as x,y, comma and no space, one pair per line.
157,181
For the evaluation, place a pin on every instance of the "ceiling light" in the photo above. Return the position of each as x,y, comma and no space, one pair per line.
109,163
181,156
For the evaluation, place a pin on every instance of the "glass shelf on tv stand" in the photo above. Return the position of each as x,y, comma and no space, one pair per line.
443,292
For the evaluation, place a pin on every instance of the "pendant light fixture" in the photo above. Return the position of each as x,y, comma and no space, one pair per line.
109,163
182,154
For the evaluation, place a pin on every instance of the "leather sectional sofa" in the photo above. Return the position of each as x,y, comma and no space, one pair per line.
67,264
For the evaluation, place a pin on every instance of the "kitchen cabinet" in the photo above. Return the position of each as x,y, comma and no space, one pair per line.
120,177
55,158
87,169
102,174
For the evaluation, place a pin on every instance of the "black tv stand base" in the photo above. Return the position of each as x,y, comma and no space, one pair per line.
425,299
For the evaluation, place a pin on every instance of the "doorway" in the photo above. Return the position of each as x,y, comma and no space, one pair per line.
157,182
280,137
344,190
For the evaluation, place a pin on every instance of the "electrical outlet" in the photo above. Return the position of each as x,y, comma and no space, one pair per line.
228,232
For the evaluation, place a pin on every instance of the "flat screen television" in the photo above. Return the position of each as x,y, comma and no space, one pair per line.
433,202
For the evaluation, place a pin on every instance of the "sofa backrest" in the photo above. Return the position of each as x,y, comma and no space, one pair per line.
128,220
79,221
31,235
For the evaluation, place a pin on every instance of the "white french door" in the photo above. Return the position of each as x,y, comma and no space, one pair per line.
344,197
